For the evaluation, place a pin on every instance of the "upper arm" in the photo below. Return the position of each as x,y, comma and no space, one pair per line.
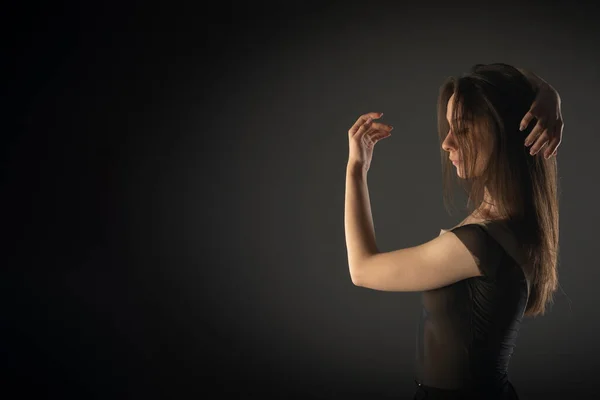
461,253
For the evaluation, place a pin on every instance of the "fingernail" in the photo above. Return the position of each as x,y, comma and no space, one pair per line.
521,127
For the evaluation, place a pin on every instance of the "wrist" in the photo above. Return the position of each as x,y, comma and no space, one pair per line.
535,80
355,168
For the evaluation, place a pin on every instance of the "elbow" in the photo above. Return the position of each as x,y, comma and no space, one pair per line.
355,277
357,271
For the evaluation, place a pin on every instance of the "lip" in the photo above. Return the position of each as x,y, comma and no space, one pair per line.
454,161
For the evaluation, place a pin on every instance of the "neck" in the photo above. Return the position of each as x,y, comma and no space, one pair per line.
487,208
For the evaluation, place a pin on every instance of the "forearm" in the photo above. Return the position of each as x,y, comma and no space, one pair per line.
358,219
535,80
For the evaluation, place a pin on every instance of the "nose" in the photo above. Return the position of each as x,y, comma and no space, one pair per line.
448,143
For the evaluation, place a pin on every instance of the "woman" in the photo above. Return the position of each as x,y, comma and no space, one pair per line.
499,264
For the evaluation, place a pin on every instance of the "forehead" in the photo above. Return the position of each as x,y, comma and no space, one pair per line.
450,108
464,120
460,113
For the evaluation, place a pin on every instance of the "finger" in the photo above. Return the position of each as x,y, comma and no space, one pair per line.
363,130
535,133
372,126
382,126
526,119
539,143
551,148
373,136
362,119
554,143
378,135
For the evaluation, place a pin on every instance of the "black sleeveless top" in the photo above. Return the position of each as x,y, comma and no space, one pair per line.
468,330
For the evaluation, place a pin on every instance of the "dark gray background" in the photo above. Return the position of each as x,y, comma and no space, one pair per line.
173,193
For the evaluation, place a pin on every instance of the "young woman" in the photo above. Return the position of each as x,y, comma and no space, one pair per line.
499,264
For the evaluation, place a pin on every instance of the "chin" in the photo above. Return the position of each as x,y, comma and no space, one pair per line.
459,172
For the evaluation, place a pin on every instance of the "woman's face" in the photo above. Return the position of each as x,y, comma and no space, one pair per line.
455,154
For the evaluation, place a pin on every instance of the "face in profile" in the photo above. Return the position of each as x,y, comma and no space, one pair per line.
455,154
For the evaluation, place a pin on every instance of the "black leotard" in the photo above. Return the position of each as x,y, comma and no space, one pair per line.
468,330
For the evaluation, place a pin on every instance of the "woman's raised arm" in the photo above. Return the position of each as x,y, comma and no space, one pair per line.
546,108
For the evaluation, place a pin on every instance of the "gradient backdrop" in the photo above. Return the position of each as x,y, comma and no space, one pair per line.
173,182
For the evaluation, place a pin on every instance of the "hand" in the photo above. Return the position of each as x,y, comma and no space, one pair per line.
363,136
549,128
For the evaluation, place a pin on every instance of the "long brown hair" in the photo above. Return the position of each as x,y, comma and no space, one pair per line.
489,103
